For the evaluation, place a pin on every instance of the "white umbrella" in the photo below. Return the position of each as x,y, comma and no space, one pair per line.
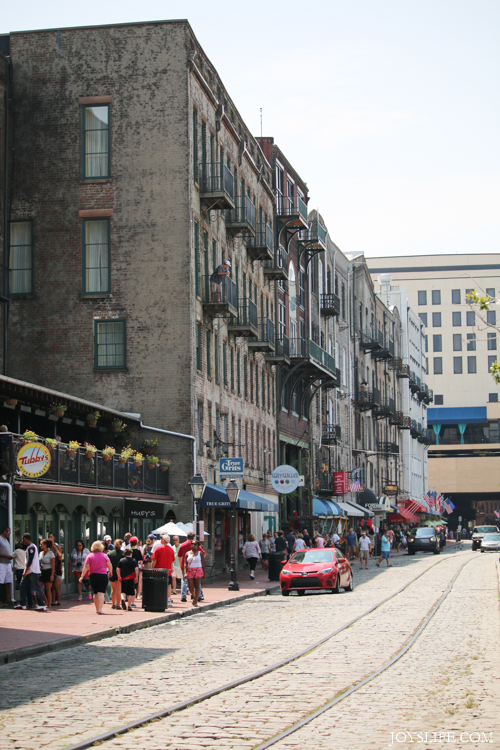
170,528
188,527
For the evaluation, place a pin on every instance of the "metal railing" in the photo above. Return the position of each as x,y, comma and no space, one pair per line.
215,178
298,348
263,238
365,395
294,207
266,330
322,356
316,233
224,292
242,213
387,447
331,433
282,347
330,301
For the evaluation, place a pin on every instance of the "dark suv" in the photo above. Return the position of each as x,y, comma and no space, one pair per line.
425,539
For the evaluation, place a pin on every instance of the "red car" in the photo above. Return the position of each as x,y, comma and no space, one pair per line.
319,569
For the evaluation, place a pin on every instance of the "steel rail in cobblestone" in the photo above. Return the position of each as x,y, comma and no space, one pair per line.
372,676
110,734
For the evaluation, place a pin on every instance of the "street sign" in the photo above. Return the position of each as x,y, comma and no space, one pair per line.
230,468
285,479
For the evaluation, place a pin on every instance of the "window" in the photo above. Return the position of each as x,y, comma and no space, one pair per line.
455,296
343,301
209,362
110,344
471,365
438,400
282,321
196,259
456,319
457,365
436,297
471,342
279,189
20,258
302,290
95,141
198,346
238,372
195,145
423,318
422,298
457,342
492,341
469,318
224,363
251,381
436,320
438,365
490,292
493,398
231,366
437,343
426,343
492,358
491,317
199,421
216,357
245,377
96,260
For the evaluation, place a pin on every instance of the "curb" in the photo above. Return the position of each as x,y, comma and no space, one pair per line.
18,654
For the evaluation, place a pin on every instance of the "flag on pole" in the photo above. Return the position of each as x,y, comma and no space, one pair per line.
356,486
497,513
448,506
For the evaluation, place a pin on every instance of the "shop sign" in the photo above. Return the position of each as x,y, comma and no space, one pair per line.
391,489
33,460
230,468
143,509
340,482
285,479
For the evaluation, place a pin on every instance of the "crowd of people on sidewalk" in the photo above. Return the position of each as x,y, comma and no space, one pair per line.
107,572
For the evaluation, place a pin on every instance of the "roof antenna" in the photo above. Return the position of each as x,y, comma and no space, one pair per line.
261,122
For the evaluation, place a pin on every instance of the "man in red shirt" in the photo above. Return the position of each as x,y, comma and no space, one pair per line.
184,548
163,557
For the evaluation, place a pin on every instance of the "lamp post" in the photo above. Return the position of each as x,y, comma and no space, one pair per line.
197,485
232,491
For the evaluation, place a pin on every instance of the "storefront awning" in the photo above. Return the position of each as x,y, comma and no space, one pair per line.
366,511
350,511
326,508
457,415
215,496
367,496
403,516
416,506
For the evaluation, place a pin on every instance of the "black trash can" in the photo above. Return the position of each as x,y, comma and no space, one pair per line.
155,589
275,559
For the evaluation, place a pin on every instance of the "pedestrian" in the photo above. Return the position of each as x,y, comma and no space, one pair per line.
115,556
386,550
217,278
351,544
47,560
336,538
290,541
320,542
76,565
184,548
126,540
299,543
194,564
31,575
137,555
307,538
364,549
19,564
6,558
390,534
98,569
58,572
108,545
272,542
147,551
251,553
177,573
264,548
163,557
128,575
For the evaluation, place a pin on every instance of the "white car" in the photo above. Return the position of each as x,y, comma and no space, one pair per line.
478,533
490,543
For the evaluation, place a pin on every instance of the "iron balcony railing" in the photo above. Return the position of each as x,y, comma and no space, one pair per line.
76,468
330,434
215,178
291,206
366,396
266,330
314,235
330,304
282,347
298,348
322,356
247,314
263,239
387,447
223,293
242,215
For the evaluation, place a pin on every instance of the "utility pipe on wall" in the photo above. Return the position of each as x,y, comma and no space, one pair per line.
10,524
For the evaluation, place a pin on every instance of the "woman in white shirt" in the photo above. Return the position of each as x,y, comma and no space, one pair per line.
299,543
194,564
251,553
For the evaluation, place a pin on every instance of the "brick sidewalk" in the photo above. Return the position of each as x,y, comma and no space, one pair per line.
22,629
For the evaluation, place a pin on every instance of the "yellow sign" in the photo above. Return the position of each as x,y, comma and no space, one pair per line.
33,460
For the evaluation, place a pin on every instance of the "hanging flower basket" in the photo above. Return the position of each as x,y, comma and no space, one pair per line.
72,448
92,418
50,443
148,451
138,459
164,464
117,425
29,437
151,461
149,446
11,401
58,410
125,455
70,452
108,453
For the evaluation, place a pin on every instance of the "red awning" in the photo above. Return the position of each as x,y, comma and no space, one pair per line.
415,506
404,516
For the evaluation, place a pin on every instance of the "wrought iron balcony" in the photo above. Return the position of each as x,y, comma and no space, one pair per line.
367,398
329,304
368,340
314,237
396,418
261,247
265,337
245,323
385,408
292,212
405,422
414,382
401,370
220,299
241,219
330,434
323,484
313,355
281,353
385,348
277,268
387,448
216,185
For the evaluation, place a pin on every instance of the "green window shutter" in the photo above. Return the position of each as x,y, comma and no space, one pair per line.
195,145
209,363
198,346
196,259
224,363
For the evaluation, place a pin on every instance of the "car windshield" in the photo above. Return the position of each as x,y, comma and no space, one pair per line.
491,538
312,556
485,530
423,532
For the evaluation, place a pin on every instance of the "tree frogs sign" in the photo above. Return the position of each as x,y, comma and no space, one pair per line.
285,479
33,460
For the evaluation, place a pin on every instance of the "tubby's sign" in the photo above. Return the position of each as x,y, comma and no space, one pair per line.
33,460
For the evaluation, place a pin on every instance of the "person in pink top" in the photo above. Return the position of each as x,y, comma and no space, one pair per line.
98,567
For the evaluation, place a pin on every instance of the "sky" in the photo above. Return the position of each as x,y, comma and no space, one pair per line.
388,109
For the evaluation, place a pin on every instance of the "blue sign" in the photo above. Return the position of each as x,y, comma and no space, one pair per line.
230,468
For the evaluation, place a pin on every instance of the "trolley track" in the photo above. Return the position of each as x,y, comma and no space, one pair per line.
178,707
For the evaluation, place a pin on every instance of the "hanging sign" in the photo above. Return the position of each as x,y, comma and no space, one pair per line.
285,479
340,482
33,460
230,468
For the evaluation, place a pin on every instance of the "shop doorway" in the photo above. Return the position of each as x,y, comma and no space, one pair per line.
64,537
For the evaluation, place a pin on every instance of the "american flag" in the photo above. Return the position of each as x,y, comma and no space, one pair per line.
497,513
428,499
448,506
356,486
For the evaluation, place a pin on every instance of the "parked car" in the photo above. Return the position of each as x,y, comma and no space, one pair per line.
478,533
490,543
423,539
317,569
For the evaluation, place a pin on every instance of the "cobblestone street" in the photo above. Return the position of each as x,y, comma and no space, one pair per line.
444,682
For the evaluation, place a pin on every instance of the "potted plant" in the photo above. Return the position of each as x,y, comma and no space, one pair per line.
151,462
58,410
108,453
72,448
164,464
29,436
50,443
90,450
11,401
125,455
149,446
92,418
138,459
117,425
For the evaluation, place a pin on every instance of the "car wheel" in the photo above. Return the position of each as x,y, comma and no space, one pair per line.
301,592
411,552
350,587
336,589
285,593
482,550
436,551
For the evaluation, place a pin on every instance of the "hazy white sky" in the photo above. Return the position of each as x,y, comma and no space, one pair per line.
389,109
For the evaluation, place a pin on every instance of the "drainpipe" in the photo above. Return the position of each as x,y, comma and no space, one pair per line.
6,218
10,524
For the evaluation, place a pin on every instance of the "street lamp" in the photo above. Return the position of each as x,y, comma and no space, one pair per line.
232,491
197,485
